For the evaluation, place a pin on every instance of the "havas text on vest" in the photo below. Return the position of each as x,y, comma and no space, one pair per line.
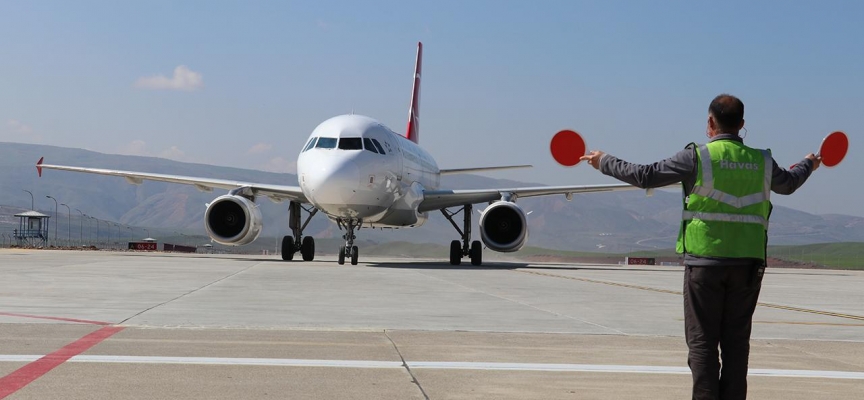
724,164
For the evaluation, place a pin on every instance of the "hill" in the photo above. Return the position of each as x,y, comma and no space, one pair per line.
618,222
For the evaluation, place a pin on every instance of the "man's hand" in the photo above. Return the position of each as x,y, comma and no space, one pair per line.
593,158
817,160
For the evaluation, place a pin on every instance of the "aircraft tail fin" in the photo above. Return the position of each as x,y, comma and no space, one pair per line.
413,131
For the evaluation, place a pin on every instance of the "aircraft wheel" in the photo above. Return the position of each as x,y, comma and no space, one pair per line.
341,255
354,255
287,248
476,253
455,252
307,249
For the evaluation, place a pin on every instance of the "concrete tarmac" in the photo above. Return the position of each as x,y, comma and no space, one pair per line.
118,325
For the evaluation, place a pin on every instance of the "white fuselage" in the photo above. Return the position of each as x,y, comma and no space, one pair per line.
344,174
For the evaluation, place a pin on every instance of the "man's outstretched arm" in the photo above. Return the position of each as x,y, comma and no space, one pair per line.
679,168
785,181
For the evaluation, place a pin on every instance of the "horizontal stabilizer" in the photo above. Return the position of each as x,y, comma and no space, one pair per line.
480,169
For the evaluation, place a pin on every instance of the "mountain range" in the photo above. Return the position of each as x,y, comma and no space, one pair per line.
605,222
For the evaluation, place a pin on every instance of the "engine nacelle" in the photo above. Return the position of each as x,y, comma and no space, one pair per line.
503,227
233,220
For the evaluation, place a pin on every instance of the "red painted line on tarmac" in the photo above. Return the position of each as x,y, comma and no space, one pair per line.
82,321
22,377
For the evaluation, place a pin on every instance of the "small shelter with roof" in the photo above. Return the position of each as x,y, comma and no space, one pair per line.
32,229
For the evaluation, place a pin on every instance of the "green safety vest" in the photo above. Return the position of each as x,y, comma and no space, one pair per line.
726,213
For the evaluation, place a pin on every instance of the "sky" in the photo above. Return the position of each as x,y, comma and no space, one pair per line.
243,83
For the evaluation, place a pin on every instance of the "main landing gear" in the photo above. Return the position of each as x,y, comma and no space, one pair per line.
349,250
459,250
305,245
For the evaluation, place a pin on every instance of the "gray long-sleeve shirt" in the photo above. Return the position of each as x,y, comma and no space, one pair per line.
682,168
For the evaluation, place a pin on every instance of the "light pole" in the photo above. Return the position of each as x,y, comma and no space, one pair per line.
55,219
68,224
31,199
81,227
148,232
89,230
97,229
118,233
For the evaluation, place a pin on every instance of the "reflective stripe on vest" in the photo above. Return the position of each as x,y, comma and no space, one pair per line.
707,188
706,216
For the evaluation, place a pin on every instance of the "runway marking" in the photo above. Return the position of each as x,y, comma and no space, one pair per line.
806,323
21,377
447,365
651,289
270,362
81,321
811,311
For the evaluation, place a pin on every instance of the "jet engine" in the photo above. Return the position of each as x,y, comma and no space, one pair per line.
233,220
503,227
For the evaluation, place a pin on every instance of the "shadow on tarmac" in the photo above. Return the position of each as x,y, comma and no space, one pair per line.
501,265
435,265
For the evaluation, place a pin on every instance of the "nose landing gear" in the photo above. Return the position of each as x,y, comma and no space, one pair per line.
349,250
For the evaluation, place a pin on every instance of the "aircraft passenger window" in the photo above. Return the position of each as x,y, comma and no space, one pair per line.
311,144
354,143
326,143
367,143
378,145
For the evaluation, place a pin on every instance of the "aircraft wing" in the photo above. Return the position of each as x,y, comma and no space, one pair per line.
480,169
276,193
438,199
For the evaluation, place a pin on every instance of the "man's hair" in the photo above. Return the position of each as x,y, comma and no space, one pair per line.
728,111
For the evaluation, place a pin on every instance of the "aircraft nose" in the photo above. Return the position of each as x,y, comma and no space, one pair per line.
334,184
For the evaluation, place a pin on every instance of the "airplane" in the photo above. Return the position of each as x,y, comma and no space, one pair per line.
361,174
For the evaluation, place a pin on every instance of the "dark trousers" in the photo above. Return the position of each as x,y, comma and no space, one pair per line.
718,311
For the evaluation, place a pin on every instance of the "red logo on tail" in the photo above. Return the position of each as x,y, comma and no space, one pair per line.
413,130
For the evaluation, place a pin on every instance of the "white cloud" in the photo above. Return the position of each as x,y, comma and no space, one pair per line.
173,153
259,148
135,148
19,127
139,147
183,79
280,165
19,132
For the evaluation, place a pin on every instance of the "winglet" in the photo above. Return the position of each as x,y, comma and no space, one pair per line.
413,131
39,166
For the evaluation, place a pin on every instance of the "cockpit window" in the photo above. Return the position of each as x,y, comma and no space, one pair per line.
367,143
310,145
351,143
378,145
326,143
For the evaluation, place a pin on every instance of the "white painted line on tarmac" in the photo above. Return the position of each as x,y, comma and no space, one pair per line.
272,362
641,369
482,366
